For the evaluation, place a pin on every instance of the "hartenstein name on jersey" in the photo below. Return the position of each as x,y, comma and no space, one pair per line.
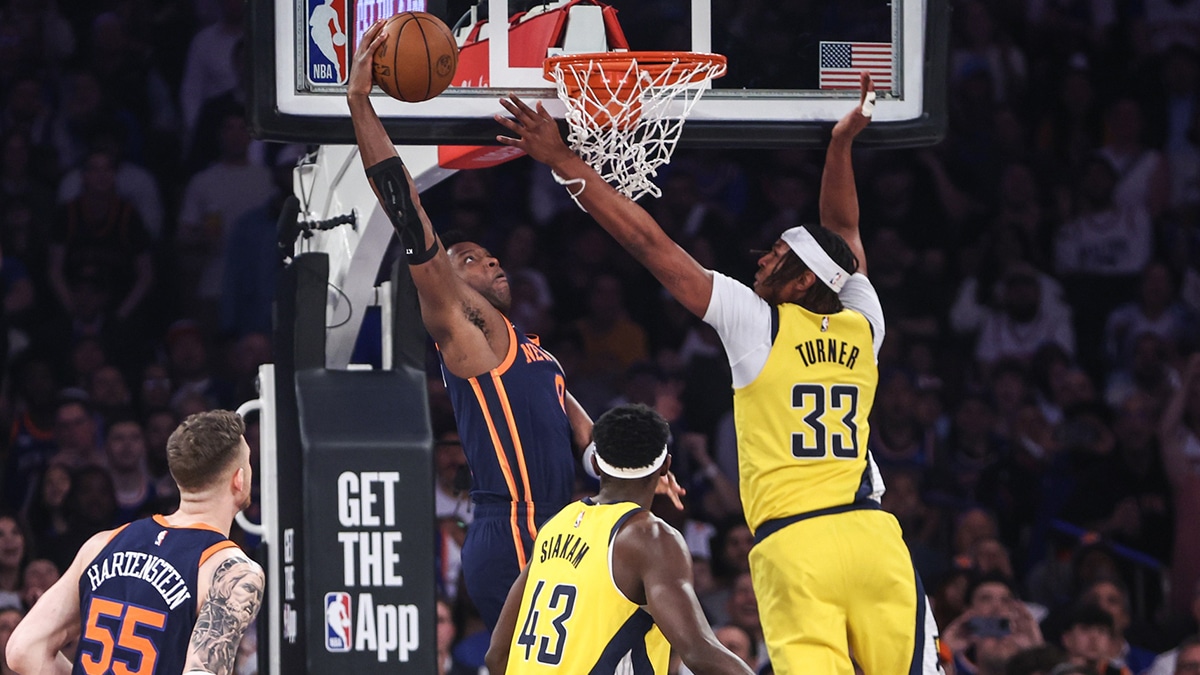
152,569
827,350
569,547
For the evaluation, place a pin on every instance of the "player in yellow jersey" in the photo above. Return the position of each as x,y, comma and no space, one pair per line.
609,583
830,569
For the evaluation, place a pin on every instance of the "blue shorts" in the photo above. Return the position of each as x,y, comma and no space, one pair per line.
499,541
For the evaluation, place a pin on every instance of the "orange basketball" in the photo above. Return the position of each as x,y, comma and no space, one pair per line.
417,59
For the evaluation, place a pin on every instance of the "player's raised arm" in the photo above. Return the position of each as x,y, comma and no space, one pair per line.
235,593
658,554
449,309
538,135
53,622
839,195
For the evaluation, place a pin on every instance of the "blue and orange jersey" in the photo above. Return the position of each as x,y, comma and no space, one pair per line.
138,601
515,432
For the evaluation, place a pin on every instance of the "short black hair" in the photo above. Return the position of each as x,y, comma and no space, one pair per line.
453,238
978,580
1088,615
1039,659
630,436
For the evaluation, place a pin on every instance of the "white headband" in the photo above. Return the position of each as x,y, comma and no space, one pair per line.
632,472
806,247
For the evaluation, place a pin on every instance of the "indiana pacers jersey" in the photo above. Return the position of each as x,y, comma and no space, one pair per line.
802,423
138,599
573,618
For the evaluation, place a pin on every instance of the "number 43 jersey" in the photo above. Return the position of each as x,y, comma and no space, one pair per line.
138,598
573,618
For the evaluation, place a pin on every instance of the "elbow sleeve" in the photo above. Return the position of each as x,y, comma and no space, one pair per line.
390,183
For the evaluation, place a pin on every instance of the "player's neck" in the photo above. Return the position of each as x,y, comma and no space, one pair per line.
614,492
203,510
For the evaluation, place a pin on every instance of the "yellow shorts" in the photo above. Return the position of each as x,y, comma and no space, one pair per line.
843,583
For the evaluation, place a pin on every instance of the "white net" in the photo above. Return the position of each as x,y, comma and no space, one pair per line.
623,120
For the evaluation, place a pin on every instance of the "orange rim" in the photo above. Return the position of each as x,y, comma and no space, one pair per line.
616,64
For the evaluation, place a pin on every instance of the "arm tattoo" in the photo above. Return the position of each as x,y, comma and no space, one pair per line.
233,601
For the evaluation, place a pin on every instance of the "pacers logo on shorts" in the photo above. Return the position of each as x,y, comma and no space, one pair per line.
337,622
328,41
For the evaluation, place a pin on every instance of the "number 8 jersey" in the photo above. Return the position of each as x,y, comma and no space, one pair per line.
573,618
138,599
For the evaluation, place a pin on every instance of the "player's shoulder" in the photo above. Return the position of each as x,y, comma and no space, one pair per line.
232,557
648,532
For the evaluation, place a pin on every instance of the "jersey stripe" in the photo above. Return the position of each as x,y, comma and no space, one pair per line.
511,355
517,447
505,468
117,531
214,549
630,638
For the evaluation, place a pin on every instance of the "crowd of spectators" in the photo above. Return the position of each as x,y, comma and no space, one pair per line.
1038,415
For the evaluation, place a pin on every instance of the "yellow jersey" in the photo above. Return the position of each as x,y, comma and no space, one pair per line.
802,422
573,618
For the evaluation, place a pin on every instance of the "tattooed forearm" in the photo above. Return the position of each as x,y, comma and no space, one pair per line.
233,600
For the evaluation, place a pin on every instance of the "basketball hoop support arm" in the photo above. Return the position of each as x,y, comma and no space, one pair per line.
334,185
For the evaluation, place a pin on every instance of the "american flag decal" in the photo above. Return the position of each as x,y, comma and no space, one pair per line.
841,62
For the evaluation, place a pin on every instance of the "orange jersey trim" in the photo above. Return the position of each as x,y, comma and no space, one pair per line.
162,520
512,429
214,549
503,461
115,532
512,350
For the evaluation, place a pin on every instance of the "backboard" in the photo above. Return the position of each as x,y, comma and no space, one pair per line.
792,65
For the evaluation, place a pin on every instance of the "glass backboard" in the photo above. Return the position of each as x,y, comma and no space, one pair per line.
792,65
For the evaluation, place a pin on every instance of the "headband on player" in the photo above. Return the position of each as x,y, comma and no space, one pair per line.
629,473
806,247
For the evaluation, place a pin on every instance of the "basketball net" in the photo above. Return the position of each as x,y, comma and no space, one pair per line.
622,114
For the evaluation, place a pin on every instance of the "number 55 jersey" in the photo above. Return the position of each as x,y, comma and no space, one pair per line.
573,618
138,599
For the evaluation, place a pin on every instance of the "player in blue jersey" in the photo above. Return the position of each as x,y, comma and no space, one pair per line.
166,594
517,421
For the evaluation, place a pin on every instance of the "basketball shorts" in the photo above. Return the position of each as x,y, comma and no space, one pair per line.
491,561
843,583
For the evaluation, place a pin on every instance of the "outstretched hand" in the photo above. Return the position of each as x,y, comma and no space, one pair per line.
667,485
361,80
536,131
860,116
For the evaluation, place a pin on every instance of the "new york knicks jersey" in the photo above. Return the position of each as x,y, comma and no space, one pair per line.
573,618
138,599
514,427
802,423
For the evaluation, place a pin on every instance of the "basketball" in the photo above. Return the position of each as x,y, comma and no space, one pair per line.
417,59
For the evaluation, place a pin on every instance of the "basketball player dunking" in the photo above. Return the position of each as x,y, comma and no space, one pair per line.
517,421
830,568
163,595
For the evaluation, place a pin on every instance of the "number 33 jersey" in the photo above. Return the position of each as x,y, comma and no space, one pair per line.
803,385
573,618
138,599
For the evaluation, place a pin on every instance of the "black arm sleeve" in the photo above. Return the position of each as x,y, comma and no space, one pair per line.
390,183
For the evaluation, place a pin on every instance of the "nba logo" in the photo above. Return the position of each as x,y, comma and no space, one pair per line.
328,41
337,622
